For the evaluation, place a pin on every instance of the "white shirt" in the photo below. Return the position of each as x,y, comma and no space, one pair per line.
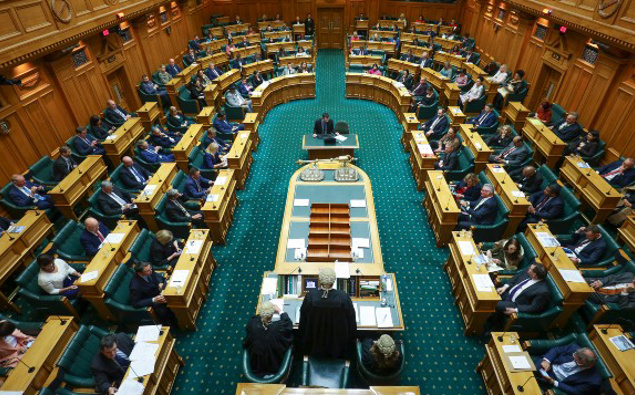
499,77
565,370
522,288
51,283
117,199
10,340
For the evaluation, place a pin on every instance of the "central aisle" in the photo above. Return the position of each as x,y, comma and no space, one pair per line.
440,359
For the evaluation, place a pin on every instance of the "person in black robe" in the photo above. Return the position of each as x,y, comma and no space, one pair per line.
327,320
267,341
381,357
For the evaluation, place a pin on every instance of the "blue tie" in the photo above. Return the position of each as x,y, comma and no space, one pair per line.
137,175
513,291
122,359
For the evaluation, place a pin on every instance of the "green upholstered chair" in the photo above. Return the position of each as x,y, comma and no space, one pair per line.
13,210
109,220
145,97
66,243
377,52
233,113
329,373
178,128
42,303
109,120
196,160
595,160
180,230
466,87
547,175
140,249
374,379
568,222
611,312
475,107
114,178
490,129
280,377
531,322
494,231
75,361
225,136
466,165
540,347
611,248
117,293
206,28
152,167
42,172
187,103
529,255
557,114
426,112
355,68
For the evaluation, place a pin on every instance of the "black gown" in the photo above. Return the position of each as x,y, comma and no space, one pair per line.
267,347
327,326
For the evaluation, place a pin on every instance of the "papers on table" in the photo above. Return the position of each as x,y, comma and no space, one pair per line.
478,146
149,190
342,270
483,282
498,169
15,229
220,180
425,149
341,138
583,165
622,342
296,243
89,276
244,135
11,393
384,317
301,202
147,333
466,248
511,348
367,316
388,285
143,350
398,84
571,276
547,240
518,194
114,238
456,110
140,368
193,247
360,242
358,203
299,254
358,253
211,198
270,286
177,280
130,387
519,362
111,137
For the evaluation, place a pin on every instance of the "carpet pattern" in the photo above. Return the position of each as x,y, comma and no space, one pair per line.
440,359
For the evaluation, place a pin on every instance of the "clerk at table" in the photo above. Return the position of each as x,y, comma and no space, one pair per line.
323,125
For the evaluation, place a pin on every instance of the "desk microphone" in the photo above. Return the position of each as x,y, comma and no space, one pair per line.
299,269
521,387
501,337
606,330
31,369
357,271
62,321
139,378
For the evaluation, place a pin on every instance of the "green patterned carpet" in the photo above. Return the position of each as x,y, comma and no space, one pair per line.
439,358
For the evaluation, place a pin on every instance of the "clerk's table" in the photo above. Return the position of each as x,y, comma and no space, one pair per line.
318,149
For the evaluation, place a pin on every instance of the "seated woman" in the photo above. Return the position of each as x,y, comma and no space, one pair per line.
267,341
355,36
375,37
56,277
304,68
500,76
164,249
212,158
507,253
374,70
544,113
468,189
447,71
381,357
428,99
476,91
196,91
177,119
586,145
513,86
98,130
455,50
13,344
449,138
502,138
201,76
461,79
230,48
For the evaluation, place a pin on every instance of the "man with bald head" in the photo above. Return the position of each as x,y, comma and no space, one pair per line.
92,236
133,175
513,155
571,369
529,181
116,115
112,201
172,68
620,173
24,193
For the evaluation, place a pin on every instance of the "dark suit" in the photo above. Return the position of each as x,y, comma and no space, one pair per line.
620,180
534,299
420,89
545,209
176,212
107,371
214,73
484,214
62,166
624,301
514,156
318,128
142,292
5,223
114,115
592,252
167,141
439,128
484,119
127,176
20,199
151,156
110,207
226,127
100,132
309,26
531,184
585,382
188,59
159,254
194,190
427,63
84,147
91,242
471,58
469,194
569,132
173,70
450,161
221,143
193,44
495,140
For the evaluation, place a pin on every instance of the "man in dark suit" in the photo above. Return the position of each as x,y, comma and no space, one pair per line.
195,44
110,364
211,137
485,119
546,205
189,58
245,88
618,288
450,160
569,129
133,175
196,186
323,125
85,144
619,173
588,245
145,291
151,154
421,87
222,125
64,164
163,139
426,62
479,212
115,114
148,87
176,212
435,127
92,236
113,201
571,369
513,155
470,57
529,181
309,25
213,72
25,193
172,68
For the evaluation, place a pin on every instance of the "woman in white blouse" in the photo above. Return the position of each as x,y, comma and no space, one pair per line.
475,92
500,76
56,277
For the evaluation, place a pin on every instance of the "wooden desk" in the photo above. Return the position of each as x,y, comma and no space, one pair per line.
409,37
150,113
379,89
474,71
212,94
391,23
248,51
296,60
77,184
219,59
186,300
42,356
410,124
17,250
620,363
186,74
626,233
447,44
435,78
454,60
264,66
191,138
491,89
545,143
383,33
361,24
239,157
443,212
156,187
457,117
475,305
389,48
474,142
213,46
421,158
363,60
498,378
227,79
109,256
396,65
277,35
451,94
241,27
274,25
317,149
124,139
555,260
281,389
251,123
589,185
172,87
416,51
206,116
515,113
218,214
515,201
282,90
272,48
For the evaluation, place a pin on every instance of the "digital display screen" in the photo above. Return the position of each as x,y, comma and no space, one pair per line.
310,284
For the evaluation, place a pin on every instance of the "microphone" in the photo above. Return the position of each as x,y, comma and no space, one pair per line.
606,330
521,387
299,269
62,321
139,378
31,369
357,271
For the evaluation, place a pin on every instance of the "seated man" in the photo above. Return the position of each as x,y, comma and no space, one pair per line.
195,43
513,155
189,58
163,76
64,164
212,71
110,364
222,125
163,139
267,341
85,144
92,236
323,125
618,288
619,173
421,88
479,212
435,127
569,129
529,181
426,62
245,88
148,87
235,99
196,186
25,193
172,68
587,245
113,201
570,369
211,137
145,291
545,205
176,212
485,119
450,159
133,175
116,114
151,154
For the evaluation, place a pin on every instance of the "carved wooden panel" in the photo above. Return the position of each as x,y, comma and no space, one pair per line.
33,16
615,122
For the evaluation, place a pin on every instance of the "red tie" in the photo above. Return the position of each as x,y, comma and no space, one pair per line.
101,238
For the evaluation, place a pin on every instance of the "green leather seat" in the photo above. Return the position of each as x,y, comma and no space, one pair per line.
280,377
466,87
520,95
109,120
178,128
355,68
146,97
475,107
109,220
611,247
489,129
76,359
568,221
117,294
205,28
595,160
557,114
466,165
66,243
114,178
187,103
329,373
233,113
180,230
42,303
374,379
152,167
42,172
140,249
426,112
529,254
196,160
13,210
611,312
225,136
377,52
76,155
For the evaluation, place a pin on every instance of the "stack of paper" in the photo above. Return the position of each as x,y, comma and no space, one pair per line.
147,333
211,198
622,343
177,280
483,282
367,316
220,180
341,138
130,387
425,149
143,350
149,190
193,247
114,238
498,169
342,270
142,367
466,248
547,240
360,242
519,362
358,203
384,317
518,194
511,348
296,243
89,276
571,276
299,254
270,286
301,202
244,135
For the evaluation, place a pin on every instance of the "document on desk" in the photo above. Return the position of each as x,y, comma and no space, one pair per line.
498,169
547,240
211,198
142,367
483,282
244,135
342,270
367,316
114,238
131,387
571,276
270,286
425,149
622,342
358,203
360,242
193,247
358,253
89,276
518,194
341,138
149,190
301,202
519,362
384,317
147,333
512,348
466,248
296,243
220,180
143,350
178,277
